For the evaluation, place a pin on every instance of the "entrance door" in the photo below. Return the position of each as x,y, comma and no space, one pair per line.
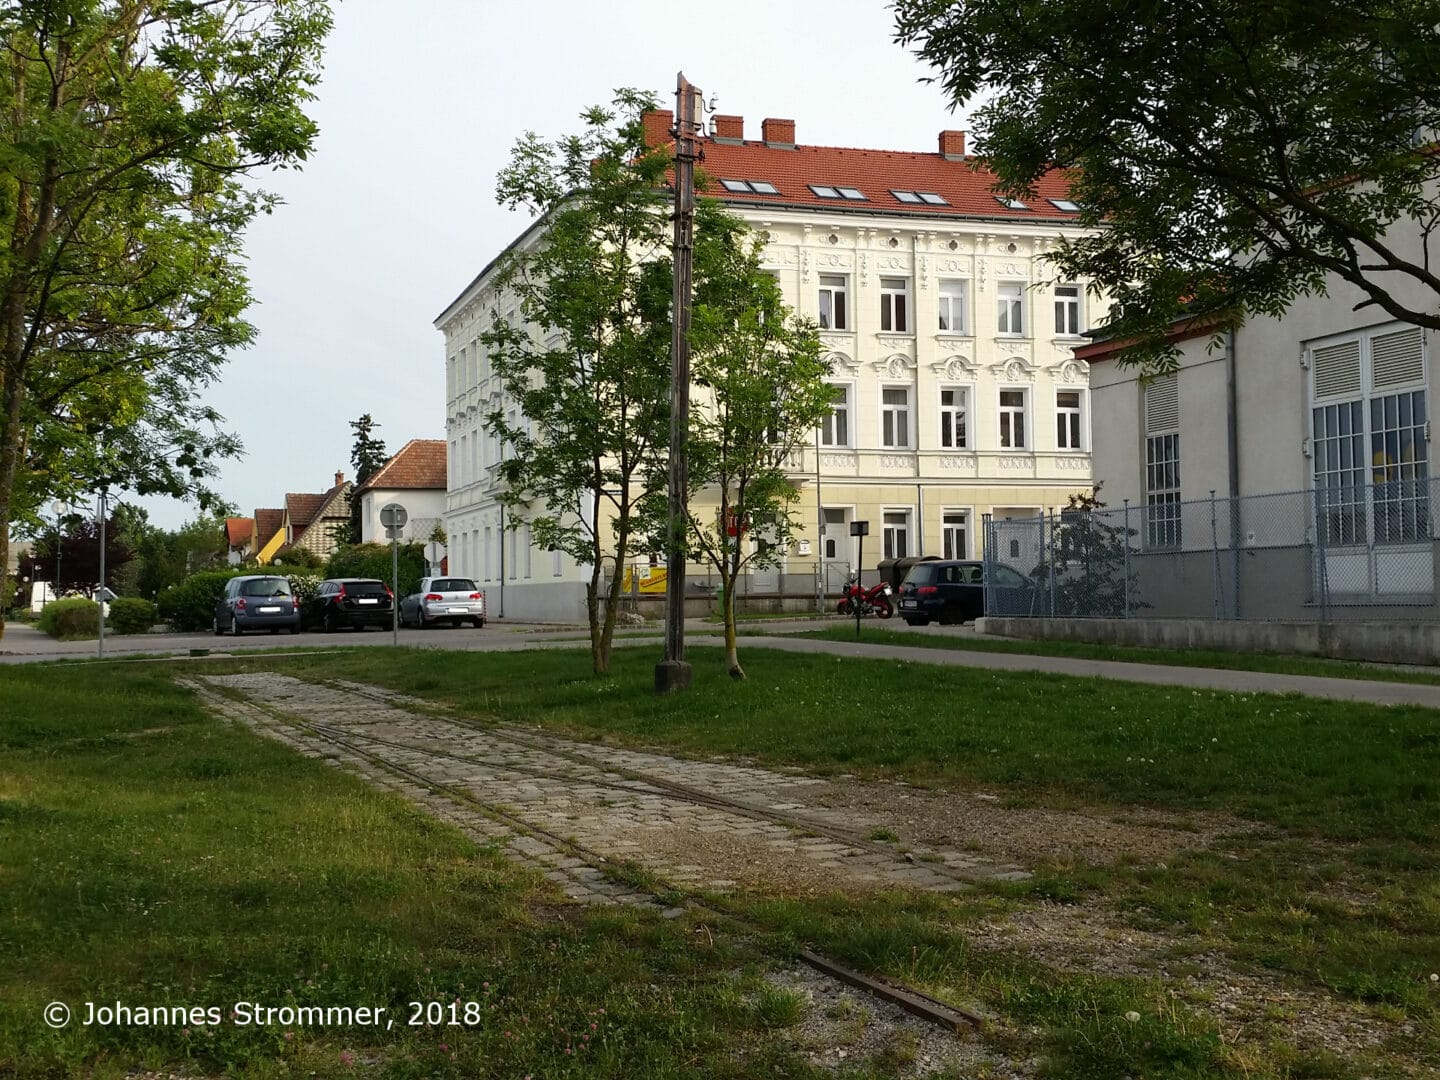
837,547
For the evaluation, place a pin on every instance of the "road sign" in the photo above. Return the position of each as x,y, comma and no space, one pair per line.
104,595
434,552
393,516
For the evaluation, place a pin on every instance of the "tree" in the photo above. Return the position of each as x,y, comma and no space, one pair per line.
126,131
1089,561
590,371
761,392
368,456
1231,155
79,549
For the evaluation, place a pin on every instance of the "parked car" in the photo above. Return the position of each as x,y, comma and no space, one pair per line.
454,600
257,602
953,591
357,602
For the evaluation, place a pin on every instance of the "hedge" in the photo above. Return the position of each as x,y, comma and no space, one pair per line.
131,615
74,617
373,561
191,604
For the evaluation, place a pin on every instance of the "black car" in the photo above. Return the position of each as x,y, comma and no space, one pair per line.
357,602
257,602
952,591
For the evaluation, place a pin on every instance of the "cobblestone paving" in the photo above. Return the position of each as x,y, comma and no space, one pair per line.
561,803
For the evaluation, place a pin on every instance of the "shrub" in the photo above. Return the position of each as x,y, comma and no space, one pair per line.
373,561
191,604
75,617
131,615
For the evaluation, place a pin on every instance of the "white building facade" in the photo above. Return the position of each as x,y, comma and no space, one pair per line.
951,346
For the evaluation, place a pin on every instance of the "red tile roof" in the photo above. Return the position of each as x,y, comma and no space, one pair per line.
420,463
238,531
965,185
303,509
267,524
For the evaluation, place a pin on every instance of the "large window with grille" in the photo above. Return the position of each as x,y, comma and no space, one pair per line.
1162,463
1369,451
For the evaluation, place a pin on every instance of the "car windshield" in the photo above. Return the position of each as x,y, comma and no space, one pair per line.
452,584
924,574
266,586
364,588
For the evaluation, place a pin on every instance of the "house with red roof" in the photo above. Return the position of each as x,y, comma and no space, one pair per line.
240,539
950,342
317,522
413,478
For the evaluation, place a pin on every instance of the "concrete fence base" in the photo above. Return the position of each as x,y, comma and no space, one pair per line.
1390,642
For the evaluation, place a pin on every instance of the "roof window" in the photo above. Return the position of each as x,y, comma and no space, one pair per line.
826,191
905,196
1067,205
760,187
931,198
1011,204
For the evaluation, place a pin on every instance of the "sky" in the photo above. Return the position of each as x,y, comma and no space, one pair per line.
395,213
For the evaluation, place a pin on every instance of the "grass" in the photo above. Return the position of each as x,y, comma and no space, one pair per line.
1276,663
1336,770
153,856
158,831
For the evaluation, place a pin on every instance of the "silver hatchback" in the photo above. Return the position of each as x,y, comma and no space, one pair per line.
452,600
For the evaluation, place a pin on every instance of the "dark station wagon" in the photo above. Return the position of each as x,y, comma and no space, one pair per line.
257,602
949,591
357,602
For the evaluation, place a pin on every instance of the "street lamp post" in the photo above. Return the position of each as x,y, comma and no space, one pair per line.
61,508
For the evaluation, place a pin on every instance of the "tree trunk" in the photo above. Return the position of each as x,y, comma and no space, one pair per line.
612,603
592,613
727,608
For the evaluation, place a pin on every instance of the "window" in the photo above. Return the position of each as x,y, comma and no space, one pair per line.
1066,205
452,465
1369,417
835,428
464,460
1162,463
451,379
832,302
854,194
1011,204
912,197
906,196
485,554
762,187
931,198
952,419
954,529
824,192
952,307
1010,299
556,566
735,185
1067,310
1067,420
895,305
529,552
897,534
513,561
895,417
1012,419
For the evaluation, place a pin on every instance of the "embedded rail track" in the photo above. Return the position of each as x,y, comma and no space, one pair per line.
424,767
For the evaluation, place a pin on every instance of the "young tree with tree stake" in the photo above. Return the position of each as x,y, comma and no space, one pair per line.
1231,154
762,391
587,362
127,128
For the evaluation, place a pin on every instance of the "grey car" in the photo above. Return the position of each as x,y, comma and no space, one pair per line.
452,600
257,602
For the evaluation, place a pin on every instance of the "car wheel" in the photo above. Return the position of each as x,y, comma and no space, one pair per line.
479,624
329,622
917,622
295,629
215,625
235,627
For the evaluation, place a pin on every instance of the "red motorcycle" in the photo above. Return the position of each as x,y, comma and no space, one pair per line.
872,601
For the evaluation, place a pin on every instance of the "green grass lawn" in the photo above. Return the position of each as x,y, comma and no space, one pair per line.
1277,663
149,852
151,855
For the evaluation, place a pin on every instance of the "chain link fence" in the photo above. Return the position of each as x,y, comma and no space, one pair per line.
1362,551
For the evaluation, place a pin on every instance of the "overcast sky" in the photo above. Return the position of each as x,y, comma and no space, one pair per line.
395,212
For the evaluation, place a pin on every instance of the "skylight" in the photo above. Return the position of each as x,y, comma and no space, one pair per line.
852,193
1011,204
760,187
931,198
905,196
1067,205
825,192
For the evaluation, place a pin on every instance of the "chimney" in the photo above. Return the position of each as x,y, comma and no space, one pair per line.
656,124
728,128
952,145
778,134
339,478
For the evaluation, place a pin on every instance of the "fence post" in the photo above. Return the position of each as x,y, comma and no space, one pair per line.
1215,559
1125,538
1048,548
1322,569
